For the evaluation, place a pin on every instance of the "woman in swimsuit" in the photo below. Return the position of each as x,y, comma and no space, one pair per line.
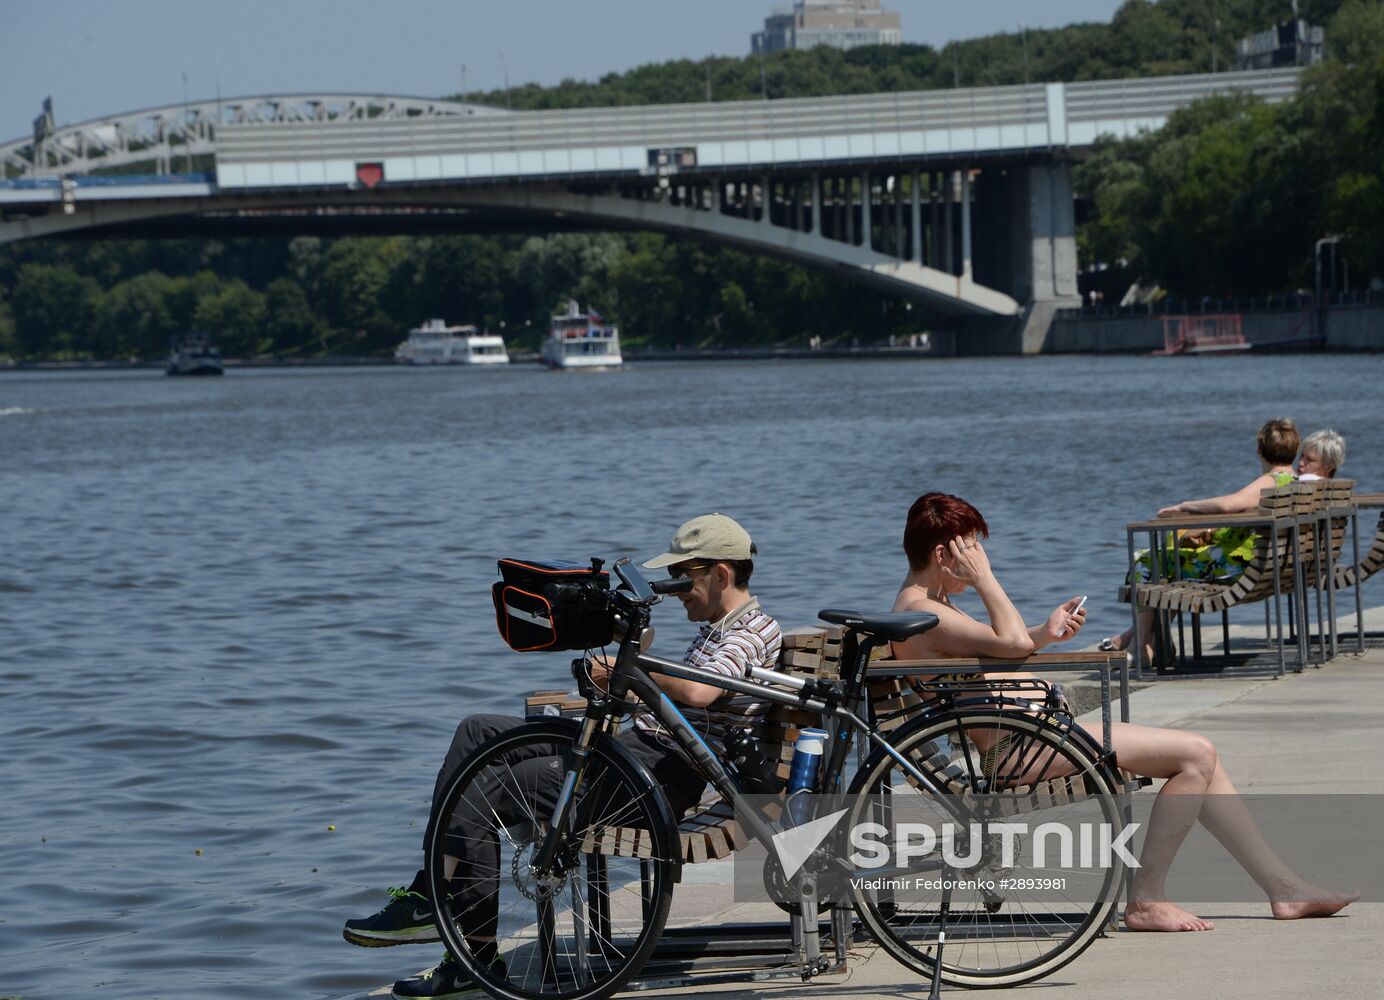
1221,553
945,556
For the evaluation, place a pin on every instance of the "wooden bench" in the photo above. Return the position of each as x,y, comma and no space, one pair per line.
895,701
1280,545
709,831
1373,557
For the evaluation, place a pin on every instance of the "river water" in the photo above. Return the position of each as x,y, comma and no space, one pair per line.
238,613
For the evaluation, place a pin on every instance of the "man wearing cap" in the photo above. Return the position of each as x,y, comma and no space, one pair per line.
717,554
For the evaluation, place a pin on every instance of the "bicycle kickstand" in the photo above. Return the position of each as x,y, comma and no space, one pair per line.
935,993
812,961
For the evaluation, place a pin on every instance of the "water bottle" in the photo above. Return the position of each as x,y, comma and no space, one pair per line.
807,761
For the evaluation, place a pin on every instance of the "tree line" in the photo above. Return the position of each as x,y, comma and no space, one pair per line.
1228,198
1231,196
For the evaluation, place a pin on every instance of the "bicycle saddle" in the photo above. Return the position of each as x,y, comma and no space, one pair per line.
894,626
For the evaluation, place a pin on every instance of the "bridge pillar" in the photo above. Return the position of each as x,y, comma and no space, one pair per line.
948,197
1026,247
817,201
932,189
899,245
866,220
966,224
848,205
915,220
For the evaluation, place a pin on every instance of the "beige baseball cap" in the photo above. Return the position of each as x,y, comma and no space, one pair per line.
711,536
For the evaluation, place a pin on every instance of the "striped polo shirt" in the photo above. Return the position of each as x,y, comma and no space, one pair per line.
745,638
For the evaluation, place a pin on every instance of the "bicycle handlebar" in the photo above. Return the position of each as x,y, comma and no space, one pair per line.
648,591
680,585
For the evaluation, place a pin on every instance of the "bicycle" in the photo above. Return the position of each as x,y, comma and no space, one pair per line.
550,915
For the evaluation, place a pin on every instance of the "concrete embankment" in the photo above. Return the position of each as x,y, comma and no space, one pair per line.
1304,733
1344,328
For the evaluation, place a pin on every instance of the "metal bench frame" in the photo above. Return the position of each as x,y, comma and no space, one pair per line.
1290,520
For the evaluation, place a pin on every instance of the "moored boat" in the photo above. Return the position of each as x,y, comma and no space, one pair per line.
436,343
581,340
194,354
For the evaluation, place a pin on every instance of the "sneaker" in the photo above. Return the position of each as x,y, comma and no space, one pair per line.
406,919
445,981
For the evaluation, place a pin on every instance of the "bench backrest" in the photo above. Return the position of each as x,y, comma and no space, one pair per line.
1373,558
1283,503
709,831
807,652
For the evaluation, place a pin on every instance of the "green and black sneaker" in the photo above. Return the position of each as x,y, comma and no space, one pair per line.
406,919
447,980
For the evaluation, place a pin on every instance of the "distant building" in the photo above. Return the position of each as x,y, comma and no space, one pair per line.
1296,43
842,24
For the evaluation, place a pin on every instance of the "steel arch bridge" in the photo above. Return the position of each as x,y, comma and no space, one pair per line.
185,131
960,200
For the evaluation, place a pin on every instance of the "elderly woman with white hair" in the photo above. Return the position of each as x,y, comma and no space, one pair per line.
1323,452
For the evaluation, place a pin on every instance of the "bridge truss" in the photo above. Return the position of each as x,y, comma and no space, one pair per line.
161,137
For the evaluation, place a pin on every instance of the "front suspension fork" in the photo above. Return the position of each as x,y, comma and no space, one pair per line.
558,824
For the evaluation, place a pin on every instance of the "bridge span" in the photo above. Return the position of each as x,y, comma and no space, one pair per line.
960,200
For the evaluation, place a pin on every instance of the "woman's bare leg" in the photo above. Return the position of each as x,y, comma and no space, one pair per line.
1188,762
1290,897
1198,788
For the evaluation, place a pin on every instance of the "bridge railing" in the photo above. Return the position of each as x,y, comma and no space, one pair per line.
741,134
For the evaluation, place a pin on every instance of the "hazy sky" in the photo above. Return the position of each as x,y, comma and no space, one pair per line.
102,57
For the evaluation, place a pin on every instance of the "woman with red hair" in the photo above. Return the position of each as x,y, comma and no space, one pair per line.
943,542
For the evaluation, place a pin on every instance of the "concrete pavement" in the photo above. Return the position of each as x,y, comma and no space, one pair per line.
1318,731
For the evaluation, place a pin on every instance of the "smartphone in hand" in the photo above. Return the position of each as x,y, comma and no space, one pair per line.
1072,614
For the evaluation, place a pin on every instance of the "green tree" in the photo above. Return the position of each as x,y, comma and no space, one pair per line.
356,273
290,322
138,316
1344,103
235,316
53,307
9,343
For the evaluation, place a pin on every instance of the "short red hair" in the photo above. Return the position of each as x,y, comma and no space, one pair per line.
935,519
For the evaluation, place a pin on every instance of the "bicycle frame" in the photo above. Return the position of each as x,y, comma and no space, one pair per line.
634,673
632,680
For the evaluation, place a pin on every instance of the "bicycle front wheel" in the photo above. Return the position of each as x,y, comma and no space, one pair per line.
581,929
1026,887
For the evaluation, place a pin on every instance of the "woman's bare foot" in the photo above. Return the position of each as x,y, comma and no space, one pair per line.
1120,643
1163,916
1309,901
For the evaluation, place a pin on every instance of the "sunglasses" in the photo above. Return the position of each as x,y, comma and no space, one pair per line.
678,572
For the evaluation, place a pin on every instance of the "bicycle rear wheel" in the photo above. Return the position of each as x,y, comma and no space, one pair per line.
1008,919
583,929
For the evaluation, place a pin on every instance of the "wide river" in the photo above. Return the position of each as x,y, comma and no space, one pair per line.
240,617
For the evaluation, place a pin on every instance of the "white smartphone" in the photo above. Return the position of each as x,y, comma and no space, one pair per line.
1072,614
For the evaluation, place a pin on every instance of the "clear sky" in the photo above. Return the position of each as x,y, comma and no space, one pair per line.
102,57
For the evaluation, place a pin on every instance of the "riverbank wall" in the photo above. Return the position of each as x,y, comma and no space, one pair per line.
1343,328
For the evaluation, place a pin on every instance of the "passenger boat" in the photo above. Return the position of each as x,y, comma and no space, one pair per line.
436,343
194,354
577,340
